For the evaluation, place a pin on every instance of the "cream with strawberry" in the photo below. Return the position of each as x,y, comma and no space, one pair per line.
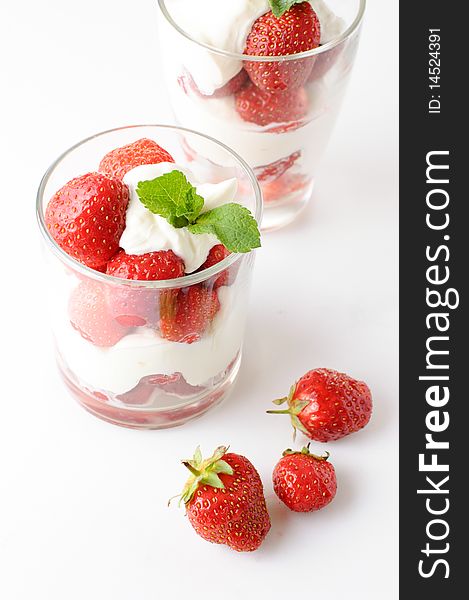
141,217
277,115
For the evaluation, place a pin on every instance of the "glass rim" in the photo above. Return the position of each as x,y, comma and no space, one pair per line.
242,57
186,280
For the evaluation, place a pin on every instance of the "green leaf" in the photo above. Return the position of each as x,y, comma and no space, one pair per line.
279,7
232,224
171,196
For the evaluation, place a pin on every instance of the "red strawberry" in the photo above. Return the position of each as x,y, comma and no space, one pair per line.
303,481
142,152
225,502
153,266
188,317
327,405
86,218
90,317
264,108
135,307
187,83
297,30
216,255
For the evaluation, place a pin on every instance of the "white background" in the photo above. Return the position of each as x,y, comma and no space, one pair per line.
82,503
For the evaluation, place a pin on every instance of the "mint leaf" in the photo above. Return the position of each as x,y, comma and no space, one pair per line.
171,196
279,7
232,224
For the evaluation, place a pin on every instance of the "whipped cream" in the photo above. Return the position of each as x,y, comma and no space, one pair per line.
120,368
226,26
146,232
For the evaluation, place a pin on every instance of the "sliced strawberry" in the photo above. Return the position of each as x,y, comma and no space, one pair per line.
135,307
89,315
272,172
297,30
188,319
142,152
86,218
264,108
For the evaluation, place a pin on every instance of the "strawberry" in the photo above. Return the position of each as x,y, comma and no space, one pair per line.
224,500
297,30
90,317
327,405
86,218
142,152
187,83
264,108
303,481
135,307
153,266
216,255
188,317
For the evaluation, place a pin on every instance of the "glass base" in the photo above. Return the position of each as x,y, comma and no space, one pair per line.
143,417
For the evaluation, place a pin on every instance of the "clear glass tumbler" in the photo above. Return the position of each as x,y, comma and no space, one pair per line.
140,379
282,137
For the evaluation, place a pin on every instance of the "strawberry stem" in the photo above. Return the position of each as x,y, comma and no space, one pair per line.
287,411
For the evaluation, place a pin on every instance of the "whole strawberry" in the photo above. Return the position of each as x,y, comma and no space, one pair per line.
89,315
134,307
264,108
327,405
86,218
187,317
224,500
303,481
296,30
142,152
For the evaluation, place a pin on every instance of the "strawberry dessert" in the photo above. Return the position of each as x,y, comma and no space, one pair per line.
148,319
233,74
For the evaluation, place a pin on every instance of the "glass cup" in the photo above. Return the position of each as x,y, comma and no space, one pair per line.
139,378
285,135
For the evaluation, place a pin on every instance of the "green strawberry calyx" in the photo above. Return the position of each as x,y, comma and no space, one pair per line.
294,409
305,452
205,472
280,7
174,198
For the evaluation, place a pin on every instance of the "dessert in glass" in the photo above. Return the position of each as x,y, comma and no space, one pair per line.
150,256
266,77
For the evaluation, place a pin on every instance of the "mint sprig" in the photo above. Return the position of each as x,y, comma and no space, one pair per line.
173,197
279,7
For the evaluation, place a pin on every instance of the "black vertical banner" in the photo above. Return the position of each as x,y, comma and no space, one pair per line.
434,259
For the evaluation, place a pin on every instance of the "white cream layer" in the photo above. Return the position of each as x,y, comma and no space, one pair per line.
119,368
